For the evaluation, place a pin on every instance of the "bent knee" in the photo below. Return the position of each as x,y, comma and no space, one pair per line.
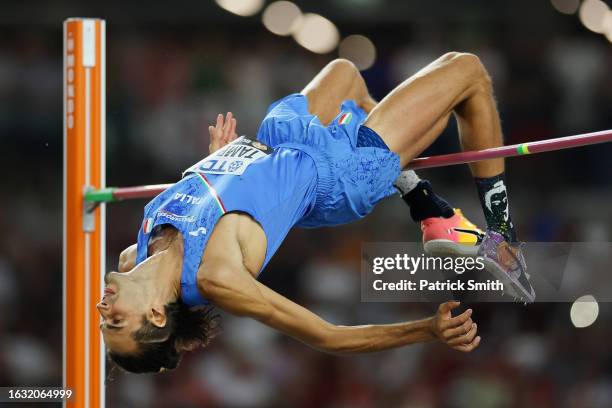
469,66
343,66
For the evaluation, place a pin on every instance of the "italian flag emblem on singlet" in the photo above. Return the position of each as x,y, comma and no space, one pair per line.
345,118
147,225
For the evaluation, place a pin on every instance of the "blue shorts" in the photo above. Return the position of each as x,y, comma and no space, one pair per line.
351,177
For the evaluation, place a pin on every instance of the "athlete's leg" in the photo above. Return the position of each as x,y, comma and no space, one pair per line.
414,114
341,80
336,82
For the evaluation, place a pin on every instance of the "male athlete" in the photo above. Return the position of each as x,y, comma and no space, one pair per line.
323,157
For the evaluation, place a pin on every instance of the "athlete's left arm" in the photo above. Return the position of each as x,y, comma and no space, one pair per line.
224,281
237,292
223,132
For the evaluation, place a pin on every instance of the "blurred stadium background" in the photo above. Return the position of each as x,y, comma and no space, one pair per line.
172,66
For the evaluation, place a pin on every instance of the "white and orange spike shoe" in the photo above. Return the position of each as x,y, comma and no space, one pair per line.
454,236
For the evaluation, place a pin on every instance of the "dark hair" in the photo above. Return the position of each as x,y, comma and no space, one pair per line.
162,347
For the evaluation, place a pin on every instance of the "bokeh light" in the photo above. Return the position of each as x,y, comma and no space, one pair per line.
592,14
281,17
584,311
566,6
316,33
241,7
358,49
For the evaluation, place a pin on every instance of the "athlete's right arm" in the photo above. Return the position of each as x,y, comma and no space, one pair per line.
226,283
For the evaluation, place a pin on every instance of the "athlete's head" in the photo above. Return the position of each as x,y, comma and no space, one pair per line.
161,348
147,328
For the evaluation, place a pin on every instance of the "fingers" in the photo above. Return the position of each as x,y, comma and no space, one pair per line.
219,124
225,128
232,133
458,331
465,338
223,132
456,321
448,306
227,125
215,131
469,347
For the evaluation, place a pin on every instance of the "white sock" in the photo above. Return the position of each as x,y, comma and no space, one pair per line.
407,181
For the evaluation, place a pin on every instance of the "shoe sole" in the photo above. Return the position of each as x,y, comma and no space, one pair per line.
511,287
446,247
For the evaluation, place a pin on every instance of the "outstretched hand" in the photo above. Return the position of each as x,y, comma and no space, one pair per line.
457,332
223,132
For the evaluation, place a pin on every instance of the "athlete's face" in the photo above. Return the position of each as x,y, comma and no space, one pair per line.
121,309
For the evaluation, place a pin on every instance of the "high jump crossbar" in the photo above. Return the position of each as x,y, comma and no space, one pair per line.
124,193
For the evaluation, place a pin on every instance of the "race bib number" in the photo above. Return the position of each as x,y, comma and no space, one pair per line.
233,158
